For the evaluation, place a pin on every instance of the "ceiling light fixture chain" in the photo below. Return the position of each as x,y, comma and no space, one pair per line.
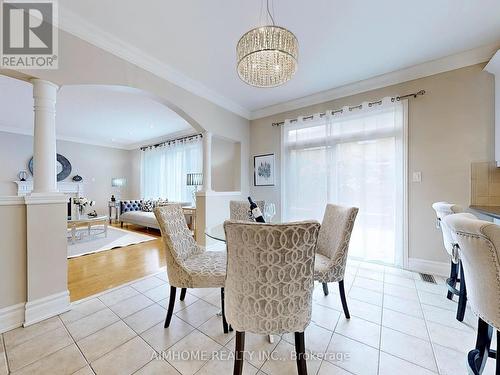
269,13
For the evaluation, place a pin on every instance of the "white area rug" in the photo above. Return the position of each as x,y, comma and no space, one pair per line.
116,238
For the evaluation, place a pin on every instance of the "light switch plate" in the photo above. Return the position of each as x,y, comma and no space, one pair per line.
417,177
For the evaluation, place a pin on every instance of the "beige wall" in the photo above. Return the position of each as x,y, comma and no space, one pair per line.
96,164
12,252
449,128
226,165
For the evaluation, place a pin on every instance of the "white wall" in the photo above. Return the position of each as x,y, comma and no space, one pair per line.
449,128
96,164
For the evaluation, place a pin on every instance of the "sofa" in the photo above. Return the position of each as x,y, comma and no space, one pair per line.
131,212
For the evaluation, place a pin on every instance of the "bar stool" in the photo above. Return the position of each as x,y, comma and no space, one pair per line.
444,209
479,243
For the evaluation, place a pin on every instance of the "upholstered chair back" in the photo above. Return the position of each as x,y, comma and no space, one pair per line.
335,234
238,210
444,209
179,243
269,279
479,243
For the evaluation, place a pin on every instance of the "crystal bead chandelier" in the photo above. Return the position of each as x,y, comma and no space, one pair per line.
267,55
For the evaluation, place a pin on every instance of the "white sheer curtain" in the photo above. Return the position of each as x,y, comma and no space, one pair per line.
353,158
164,169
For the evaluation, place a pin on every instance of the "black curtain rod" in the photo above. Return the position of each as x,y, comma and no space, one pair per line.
188,137
334,111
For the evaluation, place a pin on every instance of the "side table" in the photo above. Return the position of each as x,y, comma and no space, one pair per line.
116,206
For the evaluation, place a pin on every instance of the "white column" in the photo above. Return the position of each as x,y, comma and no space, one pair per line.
207,161
44,139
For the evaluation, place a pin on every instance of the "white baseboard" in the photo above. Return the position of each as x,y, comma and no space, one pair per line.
429,266
11,317
46,307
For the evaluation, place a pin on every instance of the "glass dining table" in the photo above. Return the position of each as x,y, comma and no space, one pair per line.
216,233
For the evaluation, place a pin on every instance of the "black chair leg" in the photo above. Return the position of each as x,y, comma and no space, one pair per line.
477,358
452,280
239,353
171,304
325,289
224,322
183,293
343,299
300,352
462,297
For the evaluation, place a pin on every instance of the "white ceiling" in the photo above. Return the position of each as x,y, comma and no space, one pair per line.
103,115
341,42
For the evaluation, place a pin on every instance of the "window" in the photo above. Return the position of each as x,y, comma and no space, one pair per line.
164,169
353,158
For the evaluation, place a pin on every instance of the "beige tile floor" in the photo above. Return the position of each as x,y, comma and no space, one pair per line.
399,325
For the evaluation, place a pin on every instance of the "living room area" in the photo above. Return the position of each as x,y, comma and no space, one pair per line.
120,153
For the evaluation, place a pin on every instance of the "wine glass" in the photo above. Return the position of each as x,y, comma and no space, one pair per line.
269,211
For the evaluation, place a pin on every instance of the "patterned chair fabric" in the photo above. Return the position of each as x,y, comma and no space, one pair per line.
238,210
479,243
333,243
131,205
188,265
269,281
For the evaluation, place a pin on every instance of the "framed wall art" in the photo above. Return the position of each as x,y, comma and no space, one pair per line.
263,170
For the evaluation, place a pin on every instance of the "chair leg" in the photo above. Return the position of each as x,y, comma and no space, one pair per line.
224,322
462,297
343,299
476,358
239,353
325,289
300,352
183,293
452,280
171,304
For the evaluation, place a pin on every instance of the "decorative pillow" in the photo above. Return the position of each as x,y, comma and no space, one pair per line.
147,206
161,202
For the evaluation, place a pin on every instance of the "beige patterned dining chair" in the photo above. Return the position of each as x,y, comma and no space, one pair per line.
479,248
333,245
239,210
269,282
188,264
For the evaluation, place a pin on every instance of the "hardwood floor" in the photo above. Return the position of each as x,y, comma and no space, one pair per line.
95,273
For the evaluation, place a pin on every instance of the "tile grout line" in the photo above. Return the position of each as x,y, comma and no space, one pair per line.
331,338
430,337
381,325
76,344
5,353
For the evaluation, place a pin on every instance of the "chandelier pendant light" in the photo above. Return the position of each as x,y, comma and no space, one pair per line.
267,55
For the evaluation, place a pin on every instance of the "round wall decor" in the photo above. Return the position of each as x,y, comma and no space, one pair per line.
63,167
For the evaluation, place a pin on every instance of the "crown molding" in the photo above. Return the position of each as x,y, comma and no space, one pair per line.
74,24
452,62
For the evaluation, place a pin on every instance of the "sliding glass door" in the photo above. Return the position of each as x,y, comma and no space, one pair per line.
353,158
